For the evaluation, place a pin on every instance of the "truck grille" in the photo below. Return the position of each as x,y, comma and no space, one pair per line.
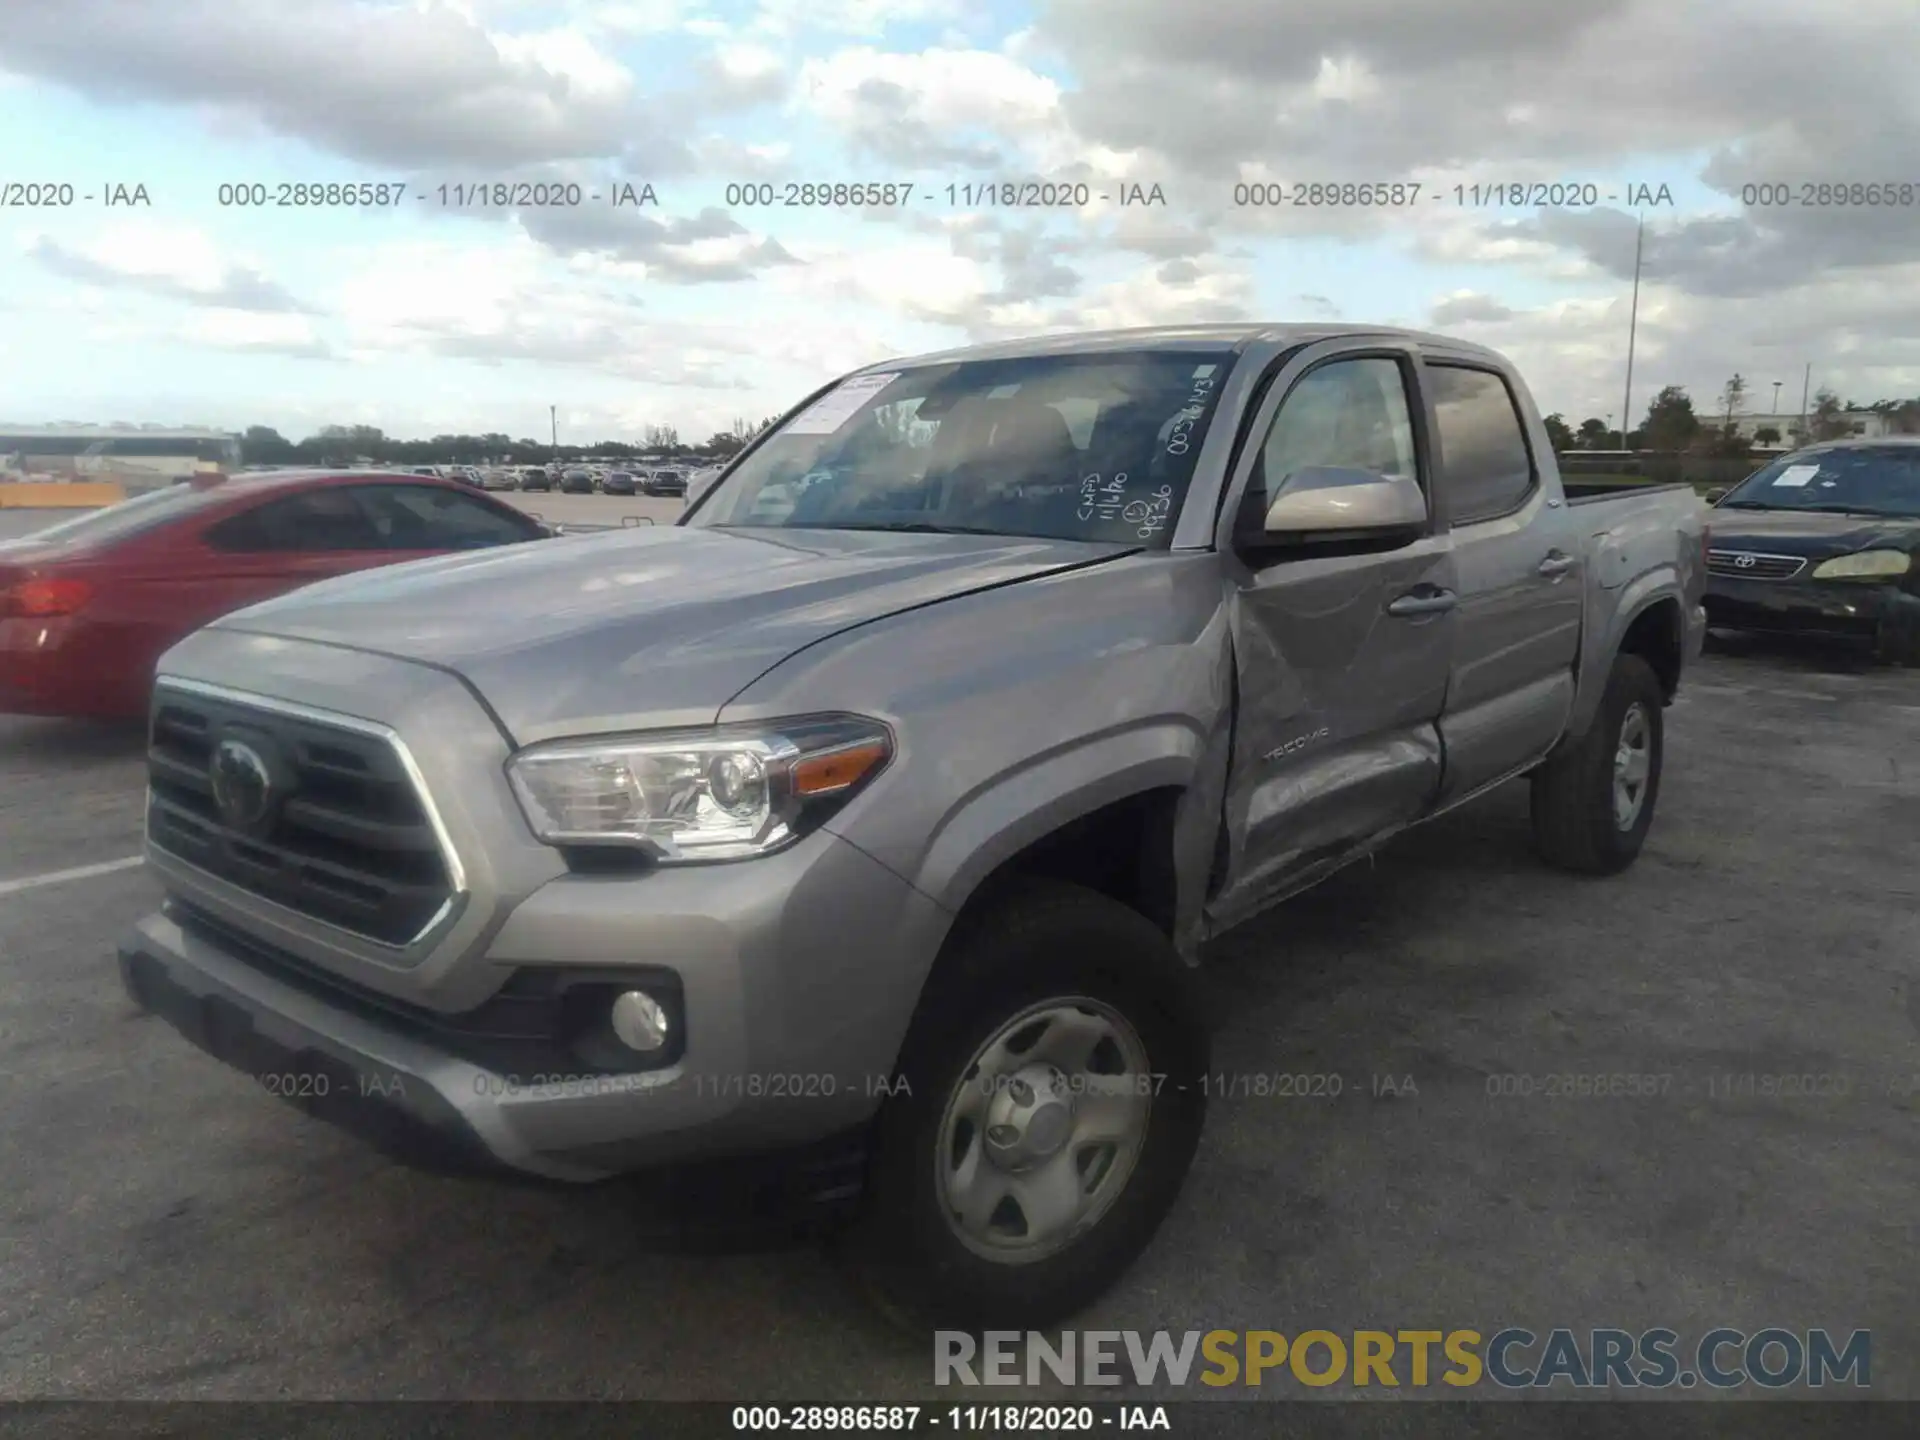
1751,565
344,835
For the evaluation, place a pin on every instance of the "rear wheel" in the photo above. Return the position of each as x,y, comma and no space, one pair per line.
1593,801
1048,1106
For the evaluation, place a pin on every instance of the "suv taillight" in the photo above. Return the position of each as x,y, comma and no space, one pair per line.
43,599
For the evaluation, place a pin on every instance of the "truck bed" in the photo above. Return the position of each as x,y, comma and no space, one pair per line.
1581,490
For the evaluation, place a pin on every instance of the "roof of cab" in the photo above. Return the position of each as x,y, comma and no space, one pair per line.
1175,337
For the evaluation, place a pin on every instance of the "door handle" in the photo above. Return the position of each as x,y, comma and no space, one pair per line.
1423,602
1556,565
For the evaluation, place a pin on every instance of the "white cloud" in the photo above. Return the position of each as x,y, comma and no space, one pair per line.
172,261
269,334
921,280
409,85
938,108
1434,91
851,17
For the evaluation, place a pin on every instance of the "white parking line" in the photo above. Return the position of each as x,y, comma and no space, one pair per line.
79,872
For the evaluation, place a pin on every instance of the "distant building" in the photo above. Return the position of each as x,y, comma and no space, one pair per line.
135,453
1868,424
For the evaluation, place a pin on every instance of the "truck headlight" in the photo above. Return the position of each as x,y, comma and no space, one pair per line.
1867,565
722,793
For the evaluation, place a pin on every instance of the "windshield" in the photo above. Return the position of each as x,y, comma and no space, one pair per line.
1854,480
1077,447
129,517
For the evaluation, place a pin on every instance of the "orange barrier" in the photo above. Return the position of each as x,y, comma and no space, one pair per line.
60,495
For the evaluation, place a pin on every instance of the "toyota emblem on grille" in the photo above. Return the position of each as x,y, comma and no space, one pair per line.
1745,562
242,783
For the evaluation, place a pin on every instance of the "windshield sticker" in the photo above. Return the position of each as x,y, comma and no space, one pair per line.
837,406
1004,392
1189,415
1794,476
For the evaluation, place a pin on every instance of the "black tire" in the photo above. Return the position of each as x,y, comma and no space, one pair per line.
1899,644
1028,944
1574,818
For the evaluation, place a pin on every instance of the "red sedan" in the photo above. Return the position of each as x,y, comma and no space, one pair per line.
89,604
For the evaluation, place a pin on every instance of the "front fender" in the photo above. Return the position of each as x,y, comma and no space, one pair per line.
998,820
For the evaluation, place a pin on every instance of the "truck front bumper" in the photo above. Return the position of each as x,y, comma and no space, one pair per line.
795,977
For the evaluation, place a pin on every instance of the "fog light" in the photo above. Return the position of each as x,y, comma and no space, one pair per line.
639,1021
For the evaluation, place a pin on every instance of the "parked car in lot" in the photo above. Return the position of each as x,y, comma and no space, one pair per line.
665,482
576,482
882,825
1824,541
499,479
535,477
87,605
619,482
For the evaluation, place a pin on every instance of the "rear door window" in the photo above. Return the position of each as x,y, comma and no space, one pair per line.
430,517
320,521
1487,469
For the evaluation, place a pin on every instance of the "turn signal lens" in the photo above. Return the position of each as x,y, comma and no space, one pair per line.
838,770
44,599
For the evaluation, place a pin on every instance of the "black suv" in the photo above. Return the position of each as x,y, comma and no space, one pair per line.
665,482
576,482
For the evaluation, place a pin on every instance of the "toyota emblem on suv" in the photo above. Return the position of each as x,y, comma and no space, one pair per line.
242,783
1744,562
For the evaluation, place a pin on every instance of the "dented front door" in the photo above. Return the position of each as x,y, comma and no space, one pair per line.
1341,681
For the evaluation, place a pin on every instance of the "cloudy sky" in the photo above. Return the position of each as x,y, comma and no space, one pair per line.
439,311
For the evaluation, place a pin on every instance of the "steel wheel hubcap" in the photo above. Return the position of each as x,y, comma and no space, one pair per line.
1632,765
1041,1133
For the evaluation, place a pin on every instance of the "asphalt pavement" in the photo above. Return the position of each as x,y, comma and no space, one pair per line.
170,1230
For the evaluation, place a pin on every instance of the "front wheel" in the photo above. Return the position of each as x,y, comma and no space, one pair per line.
1593,801
1050,1100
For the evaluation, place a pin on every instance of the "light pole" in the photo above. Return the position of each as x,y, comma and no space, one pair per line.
1633,328
1776,396
553,423
1806,388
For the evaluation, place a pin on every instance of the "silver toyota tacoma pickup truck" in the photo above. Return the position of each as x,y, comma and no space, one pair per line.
882,807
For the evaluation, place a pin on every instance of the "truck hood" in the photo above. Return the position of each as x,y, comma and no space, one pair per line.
588,634
1813,533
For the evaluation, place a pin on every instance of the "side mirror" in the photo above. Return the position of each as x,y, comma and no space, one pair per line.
1717,494
1334,501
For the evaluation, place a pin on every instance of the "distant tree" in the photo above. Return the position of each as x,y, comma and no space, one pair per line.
1902,416
1559,433
1722,442
1594,433
263,445
1767,435
357,444
1731,394
1671,423
1829,420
